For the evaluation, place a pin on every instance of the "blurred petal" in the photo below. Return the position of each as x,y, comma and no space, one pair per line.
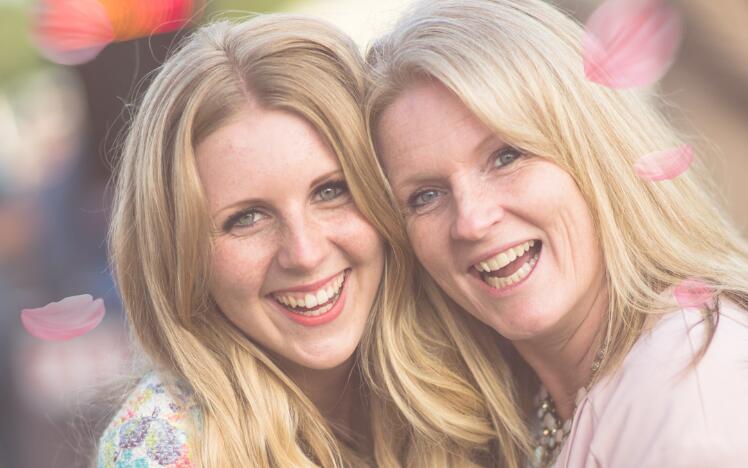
74,31
70,57
71,317
693,293
664,165
630,43
71,32
138,18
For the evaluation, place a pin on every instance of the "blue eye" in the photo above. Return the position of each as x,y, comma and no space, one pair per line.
247,218
332,190
423,198
506,156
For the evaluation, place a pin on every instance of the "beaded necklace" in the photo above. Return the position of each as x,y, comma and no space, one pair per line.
552,431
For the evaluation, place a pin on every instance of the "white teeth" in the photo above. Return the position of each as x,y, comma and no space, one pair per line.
310,300
517,276
321,297
313,299
315,312
504,258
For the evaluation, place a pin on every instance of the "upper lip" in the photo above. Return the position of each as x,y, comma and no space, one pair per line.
494,252
309,286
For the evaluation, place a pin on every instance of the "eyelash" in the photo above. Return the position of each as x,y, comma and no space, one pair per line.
339,185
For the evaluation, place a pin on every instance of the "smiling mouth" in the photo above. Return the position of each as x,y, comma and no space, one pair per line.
510,266
313,303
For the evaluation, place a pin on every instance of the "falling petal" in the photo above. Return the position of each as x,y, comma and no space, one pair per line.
693,293
664,165
71,317
71,32
630,43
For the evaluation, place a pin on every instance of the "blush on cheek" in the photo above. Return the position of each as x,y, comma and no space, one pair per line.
351,224
430,244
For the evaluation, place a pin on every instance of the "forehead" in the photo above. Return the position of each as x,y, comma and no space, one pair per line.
424,125
257,150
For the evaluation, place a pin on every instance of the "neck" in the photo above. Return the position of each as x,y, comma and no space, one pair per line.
563,358
336,392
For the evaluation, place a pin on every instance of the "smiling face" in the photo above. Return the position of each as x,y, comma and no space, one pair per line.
295,266
506,234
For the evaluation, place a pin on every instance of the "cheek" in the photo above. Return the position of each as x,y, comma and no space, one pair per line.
238,267
568,220
357,237
430,242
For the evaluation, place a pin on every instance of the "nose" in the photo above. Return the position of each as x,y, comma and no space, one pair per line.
304,246
476,212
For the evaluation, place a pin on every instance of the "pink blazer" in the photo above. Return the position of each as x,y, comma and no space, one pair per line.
657,412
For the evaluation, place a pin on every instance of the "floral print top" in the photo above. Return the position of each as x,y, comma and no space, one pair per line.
150,430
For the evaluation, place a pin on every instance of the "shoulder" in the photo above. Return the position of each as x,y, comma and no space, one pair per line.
663,404
151,429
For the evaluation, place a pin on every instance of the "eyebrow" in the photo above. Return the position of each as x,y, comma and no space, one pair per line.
253,201
489,141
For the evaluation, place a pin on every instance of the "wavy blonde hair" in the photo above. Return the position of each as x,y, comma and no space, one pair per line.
517,65
251,413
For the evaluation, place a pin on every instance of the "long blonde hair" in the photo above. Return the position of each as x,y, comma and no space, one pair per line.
517,65
251,413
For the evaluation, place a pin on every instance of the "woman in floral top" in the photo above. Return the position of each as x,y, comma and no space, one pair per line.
252,255
150,428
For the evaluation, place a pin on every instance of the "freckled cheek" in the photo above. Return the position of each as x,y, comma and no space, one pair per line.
238,269
356,236
562,213
430,246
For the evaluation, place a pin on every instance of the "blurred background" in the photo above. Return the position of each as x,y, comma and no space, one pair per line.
58,131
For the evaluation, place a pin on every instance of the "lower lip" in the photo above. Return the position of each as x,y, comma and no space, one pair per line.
327,317
506,290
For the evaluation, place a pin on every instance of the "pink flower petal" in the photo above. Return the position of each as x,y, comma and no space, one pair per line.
71,317
664,165
138,18
70,57
630,43
693,293
71,32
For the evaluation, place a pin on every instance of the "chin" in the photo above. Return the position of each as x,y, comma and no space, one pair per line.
527,325
323,359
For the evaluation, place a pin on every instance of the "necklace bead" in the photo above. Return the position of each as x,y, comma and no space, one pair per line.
552,432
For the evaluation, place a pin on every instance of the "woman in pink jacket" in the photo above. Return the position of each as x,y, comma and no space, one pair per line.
619,302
